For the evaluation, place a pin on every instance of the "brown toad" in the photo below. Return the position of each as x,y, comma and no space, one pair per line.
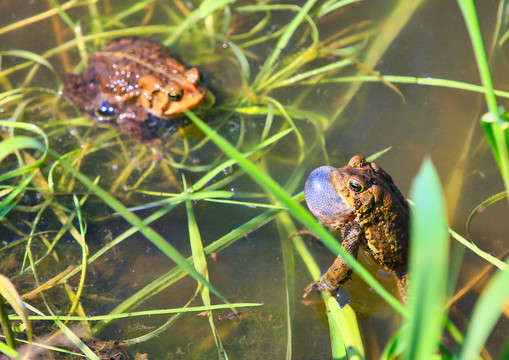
134,83
362,202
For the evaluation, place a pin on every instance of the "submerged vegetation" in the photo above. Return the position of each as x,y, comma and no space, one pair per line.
79,200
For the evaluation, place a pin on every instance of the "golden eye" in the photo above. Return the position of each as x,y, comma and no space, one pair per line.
175,95
356,186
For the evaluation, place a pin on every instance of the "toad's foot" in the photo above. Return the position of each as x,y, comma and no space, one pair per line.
316,286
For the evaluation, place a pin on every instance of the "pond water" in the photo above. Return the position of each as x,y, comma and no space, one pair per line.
431,122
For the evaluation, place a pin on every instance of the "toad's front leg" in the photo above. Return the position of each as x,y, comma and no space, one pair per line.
339,273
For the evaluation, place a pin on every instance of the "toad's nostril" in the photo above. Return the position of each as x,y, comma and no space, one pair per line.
323,199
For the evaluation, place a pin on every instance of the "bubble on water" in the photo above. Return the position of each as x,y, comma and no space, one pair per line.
228,170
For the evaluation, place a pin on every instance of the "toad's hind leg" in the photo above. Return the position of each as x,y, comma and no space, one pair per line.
339,273
402,282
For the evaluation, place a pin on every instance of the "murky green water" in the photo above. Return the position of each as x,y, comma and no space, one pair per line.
436,122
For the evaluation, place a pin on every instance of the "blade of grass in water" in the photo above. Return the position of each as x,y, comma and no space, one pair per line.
282,42
429,257
489,201
14,144
38,59
343,326
77,341
476,250
295,209
230,162
137,313
495,123
13,354
469,14
39,17
10,200
206,8
399,79
394,347
9,293
486,313
162,328
84,253
284,226
200,264
17,143
331,5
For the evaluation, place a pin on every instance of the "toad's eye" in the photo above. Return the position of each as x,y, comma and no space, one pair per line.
355,186
105,112
175,95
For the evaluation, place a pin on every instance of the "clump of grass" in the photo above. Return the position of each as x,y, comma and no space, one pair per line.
35,166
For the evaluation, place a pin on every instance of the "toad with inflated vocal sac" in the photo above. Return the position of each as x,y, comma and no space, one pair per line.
362,202
134,83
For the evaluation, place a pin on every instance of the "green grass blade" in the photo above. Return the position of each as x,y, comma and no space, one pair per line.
312,73
285,226
206,8
344,321
154,333
36,58
488,257
394,346
337,342
13,354
295,209
495,123
428,269
17,143
242,60
76,341
84,254
486,313
332,5
10,200
504,354
230,162
175,198
63,14
283,42
10,294
137,313
399,79
469,14
346,339
200,264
